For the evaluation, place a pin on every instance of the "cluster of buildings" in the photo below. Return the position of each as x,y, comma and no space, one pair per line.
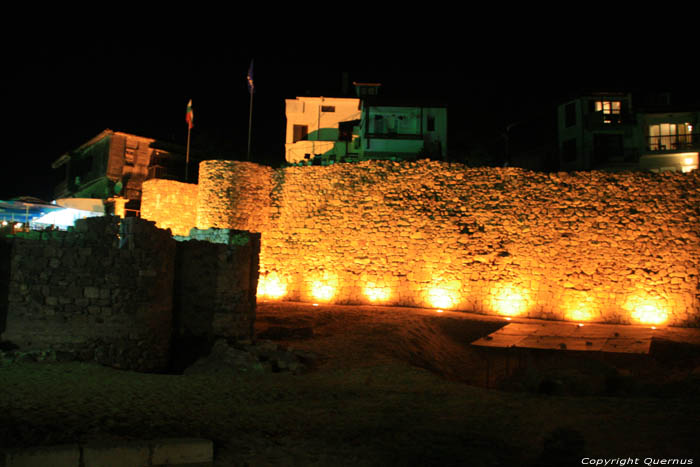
325,130
610,131
594,131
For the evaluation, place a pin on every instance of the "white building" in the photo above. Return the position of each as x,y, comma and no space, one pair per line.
334,129
316,124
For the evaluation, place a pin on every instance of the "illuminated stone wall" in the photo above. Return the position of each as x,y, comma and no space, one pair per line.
583,246
234,194
172,205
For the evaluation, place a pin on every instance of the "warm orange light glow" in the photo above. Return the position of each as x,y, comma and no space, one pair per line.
323,286
646,310
322,291
376,293
509,300
580,314
649,314
438,311
443,297
271,287
579,305
689,162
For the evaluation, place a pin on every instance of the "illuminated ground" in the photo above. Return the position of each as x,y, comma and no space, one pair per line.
393,386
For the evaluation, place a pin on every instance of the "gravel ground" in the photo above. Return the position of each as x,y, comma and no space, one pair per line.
391,386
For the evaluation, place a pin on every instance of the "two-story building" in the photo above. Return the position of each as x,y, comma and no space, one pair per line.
607,131
319,126
112,167
324,130
670,138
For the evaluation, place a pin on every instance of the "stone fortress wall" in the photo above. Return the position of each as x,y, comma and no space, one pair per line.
582,246
125,293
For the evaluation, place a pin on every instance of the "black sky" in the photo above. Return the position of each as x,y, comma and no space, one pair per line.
58,93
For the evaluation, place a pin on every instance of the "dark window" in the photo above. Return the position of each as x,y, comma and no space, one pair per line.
345,130
568,150
431,123
327,108
300,132
570,115
80,169
379,124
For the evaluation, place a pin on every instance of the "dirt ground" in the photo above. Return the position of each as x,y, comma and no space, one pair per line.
390,386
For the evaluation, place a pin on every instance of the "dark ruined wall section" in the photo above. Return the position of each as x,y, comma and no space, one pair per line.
5,249
83,293
215,286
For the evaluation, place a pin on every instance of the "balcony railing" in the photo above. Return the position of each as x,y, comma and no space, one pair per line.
596,120
673,142
410,136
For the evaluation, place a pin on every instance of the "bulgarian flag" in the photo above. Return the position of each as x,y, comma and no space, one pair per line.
189,117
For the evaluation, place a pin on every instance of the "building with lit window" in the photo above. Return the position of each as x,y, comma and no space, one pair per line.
608,131
322,130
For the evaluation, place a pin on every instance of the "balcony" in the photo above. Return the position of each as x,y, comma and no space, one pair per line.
390,135
673,143
601,120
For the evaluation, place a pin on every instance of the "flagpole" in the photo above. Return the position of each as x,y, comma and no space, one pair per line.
187,161
189,118
251,89
250,123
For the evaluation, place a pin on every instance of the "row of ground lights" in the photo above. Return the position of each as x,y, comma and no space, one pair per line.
506,299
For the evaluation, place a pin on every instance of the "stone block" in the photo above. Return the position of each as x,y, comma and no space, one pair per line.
55,456
91,292
175,451
109,454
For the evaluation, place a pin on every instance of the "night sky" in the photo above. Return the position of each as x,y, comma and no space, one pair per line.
59,93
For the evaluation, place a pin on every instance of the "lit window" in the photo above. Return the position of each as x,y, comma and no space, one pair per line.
670,136
611,110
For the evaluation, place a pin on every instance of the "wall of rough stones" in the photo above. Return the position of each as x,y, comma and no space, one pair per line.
589,246
215,284
79,292
172,205
234,195
119,291
4,282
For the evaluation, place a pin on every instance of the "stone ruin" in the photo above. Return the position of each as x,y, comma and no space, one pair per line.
125,294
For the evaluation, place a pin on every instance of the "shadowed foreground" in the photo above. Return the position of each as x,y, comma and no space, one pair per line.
390,386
